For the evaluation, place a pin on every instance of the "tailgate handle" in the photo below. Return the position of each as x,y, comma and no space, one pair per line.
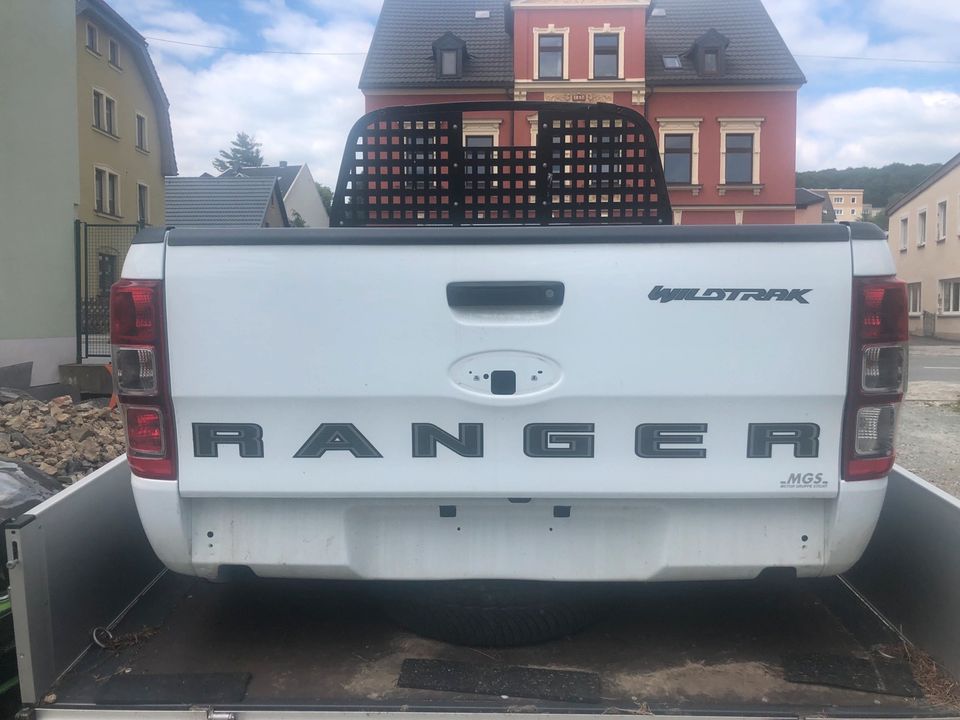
532,294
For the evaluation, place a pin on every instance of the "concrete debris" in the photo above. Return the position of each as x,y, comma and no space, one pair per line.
64,439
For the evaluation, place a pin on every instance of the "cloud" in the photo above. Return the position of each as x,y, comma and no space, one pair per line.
166,20
298,106
878,125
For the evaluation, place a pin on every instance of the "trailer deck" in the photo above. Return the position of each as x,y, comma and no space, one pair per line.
183,647
678,647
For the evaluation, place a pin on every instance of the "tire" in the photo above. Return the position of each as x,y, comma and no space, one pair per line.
491,613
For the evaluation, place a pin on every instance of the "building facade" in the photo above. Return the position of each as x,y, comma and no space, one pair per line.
38,186
925,240
300,195
125,142
715,80
847,203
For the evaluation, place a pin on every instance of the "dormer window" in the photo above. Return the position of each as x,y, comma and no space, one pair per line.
449,53
709,53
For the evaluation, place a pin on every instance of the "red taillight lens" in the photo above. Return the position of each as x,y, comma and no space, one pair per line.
137,334
144,430
877,381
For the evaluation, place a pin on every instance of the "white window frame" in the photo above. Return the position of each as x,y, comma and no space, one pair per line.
838,211
904,233
838,200
942,221
853,200
551,30
606,30
146,132
104,96
110,43
921,227
915,299
740,126
949,296
485,128
96,38
146,206
683,126
107,172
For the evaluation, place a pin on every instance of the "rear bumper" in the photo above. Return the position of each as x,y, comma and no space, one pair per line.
600,540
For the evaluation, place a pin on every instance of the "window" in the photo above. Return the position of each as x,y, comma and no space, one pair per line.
941,221
678,159
106,271
838,211
606,56
113,53
853,201
104,113
739,148
711,62
904,229
448,63
97,109
143,204
93,38
550,61
110,115
838,201
106,192
672,62
921,228
141,132
950,296
913,293
480,141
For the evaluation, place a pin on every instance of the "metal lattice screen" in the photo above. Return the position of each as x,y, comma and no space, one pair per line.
100,250
589,164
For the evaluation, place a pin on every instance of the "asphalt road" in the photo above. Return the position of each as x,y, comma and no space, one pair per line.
939,362
929,437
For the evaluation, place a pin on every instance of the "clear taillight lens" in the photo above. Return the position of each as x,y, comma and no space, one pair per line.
876,430
135,370
884,369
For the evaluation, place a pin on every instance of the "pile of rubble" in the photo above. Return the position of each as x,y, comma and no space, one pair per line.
64,439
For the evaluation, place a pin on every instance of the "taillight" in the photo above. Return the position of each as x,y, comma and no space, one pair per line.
878,377
140,376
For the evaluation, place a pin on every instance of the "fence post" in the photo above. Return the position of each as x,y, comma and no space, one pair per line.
77,230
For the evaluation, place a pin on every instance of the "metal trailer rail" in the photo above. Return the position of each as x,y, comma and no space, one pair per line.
81,561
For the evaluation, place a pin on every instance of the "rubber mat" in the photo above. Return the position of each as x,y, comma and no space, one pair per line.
509,680
889,677
174,689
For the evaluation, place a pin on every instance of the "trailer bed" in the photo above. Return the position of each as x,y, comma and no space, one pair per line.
681,647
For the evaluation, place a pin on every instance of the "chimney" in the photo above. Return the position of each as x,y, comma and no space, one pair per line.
283,163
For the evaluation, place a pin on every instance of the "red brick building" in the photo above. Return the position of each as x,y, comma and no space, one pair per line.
713,77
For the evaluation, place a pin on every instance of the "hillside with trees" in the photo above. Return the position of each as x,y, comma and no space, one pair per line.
880,186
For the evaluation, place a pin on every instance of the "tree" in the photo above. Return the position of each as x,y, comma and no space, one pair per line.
297,220
326,194
244,152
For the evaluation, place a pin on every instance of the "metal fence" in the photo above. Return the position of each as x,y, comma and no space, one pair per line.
100,252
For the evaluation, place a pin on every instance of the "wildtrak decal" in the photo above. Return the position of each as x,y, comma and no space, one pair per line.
665,294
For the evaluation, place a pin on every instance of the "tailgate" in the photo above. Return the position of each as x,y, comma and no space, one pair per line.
368,376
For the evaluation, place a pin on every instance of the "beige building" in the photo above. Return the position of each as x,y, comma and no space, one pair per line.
925,240
125,142
847,203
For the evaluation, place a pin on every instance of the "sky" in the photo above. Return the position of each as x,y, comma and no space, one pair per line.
868,111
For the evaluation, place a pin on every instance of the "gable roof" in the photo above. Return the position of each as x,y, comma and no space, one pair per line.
285,174
933,177
756,54
803,198
114,22
401,52
220,202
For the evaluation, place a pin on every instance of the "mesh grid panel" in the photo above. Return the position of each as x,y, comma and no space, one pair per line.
591,164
